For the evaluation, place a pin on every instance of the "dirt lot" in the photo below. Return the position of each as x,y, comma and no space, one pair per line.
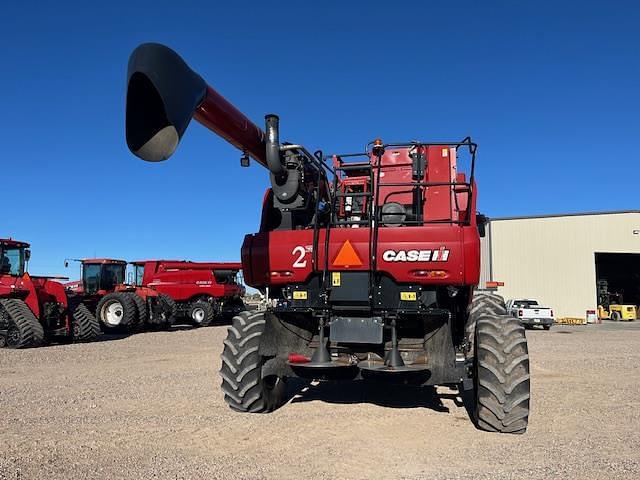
149,406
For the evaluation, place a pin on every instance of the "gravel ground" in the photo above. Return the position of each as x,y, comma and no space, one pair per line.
149,406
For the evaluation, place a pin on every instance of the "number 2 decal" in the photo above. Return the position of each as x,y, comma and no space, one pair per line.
300,262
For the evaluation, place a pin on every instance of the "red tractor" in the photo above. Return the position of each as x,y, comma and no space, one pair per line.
370,262
118,305
201,291
35,309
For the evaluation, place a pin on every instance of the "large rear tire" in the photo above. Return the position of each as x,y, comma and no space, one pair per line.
86,327
487,303
117,311
501,375
245,390
482,303
24,328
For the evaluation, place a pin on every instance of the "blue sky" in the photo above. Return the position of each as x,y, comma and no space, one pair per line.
549,90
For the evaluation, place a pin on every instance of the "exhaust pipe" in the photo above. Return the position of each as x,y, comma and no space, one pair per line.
285,183
164,94
272,145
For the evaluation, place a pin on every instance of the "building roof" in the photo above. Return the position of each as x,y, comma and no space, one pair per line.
552,215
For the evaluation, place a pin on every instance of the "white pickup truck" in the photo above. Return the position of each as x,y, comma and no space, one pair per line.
530,313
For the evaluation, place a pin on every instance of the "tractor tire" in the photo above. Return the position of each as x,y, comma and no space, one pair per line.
547,327
482,303
141,308
501,375
85,326
244,388
201,313
169,310
615,316
487,303
117,311
25,330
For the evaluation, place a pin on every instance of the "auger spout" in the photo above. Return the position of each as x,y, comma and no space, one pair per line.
164,94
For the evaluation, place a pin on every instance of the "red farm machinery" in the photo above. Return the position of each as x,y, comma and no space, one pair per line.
119,306
201,291
370,259
35,310
158,293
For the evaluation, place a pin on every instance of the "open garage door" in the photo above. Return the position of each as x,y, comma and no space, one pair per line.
622,273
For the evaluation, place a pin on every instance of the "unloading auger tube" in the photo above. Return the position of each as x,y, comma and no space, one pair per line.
164,94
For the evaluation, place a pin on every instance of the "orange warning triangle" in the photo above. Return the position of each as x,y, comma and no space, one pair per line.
347,256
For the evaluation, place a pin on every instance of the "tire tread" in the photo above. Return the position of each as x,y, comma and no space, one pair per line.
241,369
503,382
86,327
30,328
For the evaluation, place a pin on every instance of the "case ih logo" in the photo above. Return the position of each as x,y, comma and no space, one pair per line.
439,255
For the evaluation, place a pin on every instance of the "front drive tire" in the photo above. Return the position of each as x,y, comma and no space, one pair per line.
501,375
245,390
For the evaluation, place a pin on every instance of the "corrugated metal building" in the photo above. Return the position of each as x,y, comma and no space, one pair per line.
558,259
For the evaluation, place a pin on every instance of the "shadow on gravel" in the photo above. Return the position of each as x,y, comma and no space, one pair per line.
178,327
188,326
469,403
110,337
363,391
121,335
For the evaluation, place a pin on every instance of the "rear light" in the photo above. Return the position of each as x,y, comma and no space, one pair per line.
429,273
280,273
520,313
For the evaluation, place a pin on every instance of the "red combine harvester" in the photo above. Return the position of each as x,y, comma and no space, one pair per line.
370,263
35,309
201,291
119,306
